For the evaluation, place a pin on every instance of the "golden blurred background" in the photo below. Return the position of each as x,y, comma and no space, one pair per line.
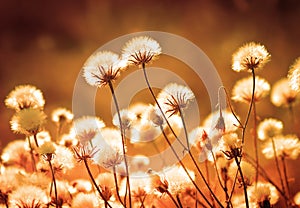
46,43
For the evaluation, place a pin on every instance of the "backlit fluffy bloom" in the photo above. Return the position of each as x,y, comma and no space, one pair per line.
178,179
174,98
283,95
269,128
297,198
25,96
127,118
251,56
86,128
101,68
16,154
28,121
139,162
140,186
242,90
141,50
248,172
155,116
294,75
63,160
28,196
263,194
90,200
110,152
286,146
61,115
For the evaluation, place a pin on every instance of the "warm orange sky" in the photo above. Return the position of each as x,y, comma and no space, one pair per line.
46,44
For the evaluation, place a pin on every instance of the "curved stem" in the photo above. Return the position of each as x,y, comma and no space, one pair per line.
243,180
173,200
35,140
250,106
277,165
197,166
183,166
159,107
285,177
123,141
54,183
94,182
255,142
184,128
32,155
117,186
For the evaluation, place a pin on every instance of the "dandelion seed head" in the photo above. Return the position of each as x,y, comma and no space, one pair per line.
28,196
248,172
178,179
80,186
141,50
251,56
25,96
89,200
286,146
139,162
269,128
242,90
155,116
174,98
61,115
127,118
68,140
140,185
46,148
110,149
282,95
101,68
86,128
231,141
28,121
297,198
294,75
262,192
144,131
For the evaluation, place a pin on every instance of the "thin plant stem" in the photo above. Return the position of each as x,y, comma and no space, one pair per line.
54,183
184,128
35,140
264,174
178,200
32,155
123,141
94,182
243,180
255,142
184,168
224,187
172,198
117,186
277,165
159,107
250,106
197,166
208,178
285,176
197,200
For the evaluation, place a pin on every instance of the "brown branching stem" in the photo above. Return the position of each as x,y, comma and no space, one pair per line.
123,142
94,182
183,166
54,183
